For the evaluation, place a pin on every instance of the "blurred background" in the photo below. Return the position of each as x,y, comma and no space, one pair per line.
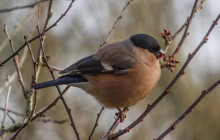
81,32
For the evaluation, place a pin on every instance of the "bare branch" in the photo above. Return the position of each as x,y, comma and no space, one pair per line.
49,14
96,123
41,112
113,27
58,89
41,34
189,110
13,112
109,134
6,105
48,120
17,27
16,59
185,34
22,7
167,90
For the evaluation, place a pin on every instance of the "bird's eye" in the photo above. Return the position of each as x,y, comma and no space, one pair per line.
151,50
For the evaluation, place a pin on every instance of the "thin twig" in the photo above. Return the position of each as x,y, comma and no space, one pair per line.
167,90
36,37
58,89
41,112
17,27
6,105
109,133
116,21
16,59
17,127
22,60
48,120
174,125
32,5
49,14
111,129
199,7
53,68
32,57
13,112
11,118
96,123
188,23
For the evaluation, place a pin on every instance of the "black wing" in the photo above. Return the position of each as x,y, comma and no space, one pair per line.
87,65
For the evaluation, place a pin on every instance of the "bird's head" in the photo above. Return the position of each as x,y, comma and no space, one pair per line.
147,42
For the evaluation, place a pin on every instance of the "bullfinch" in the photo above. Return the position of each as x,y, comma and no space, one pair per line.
119,75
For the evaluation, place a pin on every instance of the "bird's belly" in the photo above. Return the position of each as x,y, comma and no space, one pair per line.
114,91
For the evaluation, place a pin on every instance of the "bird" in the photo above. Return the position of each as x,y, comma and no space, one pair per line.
118,75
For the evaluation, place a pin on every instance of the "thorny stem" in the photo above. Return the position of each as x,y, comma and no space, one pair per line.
167,90
174,125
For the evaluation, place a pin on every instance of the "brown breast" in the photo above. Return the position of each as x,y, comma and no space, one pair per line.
126,90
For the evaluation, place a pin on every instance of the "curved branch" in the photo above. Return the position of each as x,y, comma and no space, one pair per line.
174,125
167,90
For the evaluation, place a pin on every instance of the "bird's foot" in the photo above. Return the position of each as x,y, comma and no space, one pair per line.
121,114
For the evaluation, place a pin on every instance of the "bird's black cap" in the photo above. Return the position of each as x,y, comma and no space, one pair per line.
146,42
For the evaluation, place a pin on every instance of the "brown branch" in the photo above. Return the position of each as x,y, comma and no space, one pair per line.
40,113
185,34
189,110
16,59
12,112
36,37
199,7
49,14
11,118
48,120
17,27
32,5
19,126
32,58
109,134
167,90
116,21
96,123
58,89
22,126
6,105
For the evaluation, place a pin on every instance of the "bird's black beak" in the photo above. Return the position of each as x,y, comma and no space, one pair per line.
160,54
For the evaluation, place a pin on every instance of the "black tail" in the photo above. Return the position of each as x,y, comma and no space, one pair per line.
60,81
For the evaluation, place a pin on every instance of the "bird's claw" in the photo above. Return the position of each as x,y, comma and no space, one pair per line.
121,114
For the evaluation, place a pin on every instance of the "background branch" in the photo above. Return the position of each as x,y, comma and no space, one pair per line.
190,109
167,90
32,5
